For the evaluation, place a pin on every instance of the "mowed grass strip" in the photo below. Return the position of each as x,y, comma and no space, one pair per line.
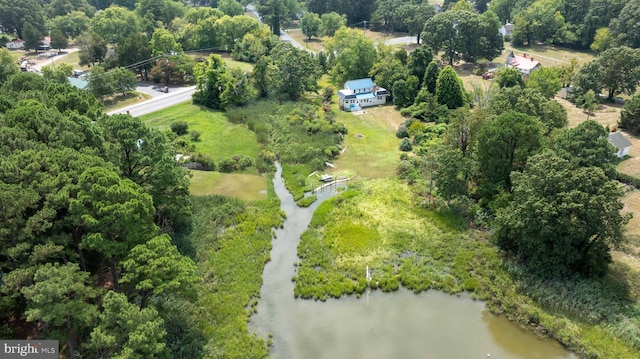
219,139
372,149
238,185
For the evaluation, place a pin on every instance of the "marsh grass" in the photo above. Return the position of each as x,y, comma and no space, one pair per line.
232,239
382,224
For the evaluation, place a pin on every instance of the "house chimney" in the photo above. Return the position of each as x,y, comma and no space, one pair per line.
525,55
531,58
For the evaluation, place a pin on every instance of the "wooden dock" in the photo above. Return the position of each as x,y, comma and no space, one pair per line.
329,184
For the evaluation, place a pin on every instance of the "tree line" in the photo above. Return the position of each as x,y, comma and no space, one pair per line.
94,216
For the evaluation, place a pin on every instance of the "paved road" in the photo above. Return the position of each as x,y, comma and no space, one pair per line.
163,100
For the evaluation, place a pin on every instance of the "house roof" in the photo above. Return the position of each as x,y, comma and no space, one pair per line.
617,139
359,84
364,96
16,41
522,62
509,26
79,83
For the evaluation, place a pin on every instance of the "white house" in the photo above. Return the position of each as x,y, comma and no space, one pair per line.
525,64
621,143
506,29
361,93
45,43
15,44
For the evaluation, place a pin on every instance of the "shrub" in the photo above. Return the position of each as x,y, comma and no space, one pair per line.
227,165
307,201
195,136
402,131
405,145
179,128
327,94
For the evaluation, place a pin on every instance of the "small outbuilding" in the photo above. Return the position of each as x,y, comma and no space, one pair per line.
506,29
621,143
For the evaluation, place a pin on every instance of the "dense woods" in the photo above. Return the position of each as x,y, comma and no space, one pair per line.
89,206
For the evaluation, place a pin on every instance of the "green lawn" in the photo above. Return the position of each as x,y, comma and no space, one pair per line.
73,59
219,139
371,145
239,185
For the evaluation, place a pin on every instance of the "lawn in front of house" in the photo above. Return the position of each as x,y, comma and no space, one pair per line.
219,139
371,147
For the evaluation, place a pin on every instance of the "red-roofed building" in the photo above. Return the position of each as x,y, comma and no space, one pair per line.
525,64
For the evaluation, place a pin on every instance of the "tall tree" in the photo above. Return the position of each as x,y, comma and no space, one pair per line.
8,65
449,89
212,84
463,35
156,268
163,42
311,24
114,24
231,7
504,145
630,115
115,213
529,101
431,77
626,25
298,71
354,55
587,145
92,48
126,331
331,22
134,52
419,60
546,80
277,12
32,37
58,40
60,298
72,24
620,68
509,77
562,219
14,15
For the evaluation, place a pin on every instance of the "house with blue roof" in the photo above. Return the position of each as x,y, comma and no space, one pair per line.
361,93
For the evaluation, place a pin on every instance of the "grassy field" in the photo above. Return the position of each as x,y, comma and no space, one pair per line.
219,139
238,185
73,59
371,146
314,44
547,55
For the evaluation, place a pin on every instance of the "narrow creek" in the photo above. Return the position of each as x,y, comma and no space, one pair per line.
379,325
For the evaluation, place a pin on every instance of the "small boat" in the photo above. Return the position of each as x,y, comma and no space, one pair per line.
326,178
